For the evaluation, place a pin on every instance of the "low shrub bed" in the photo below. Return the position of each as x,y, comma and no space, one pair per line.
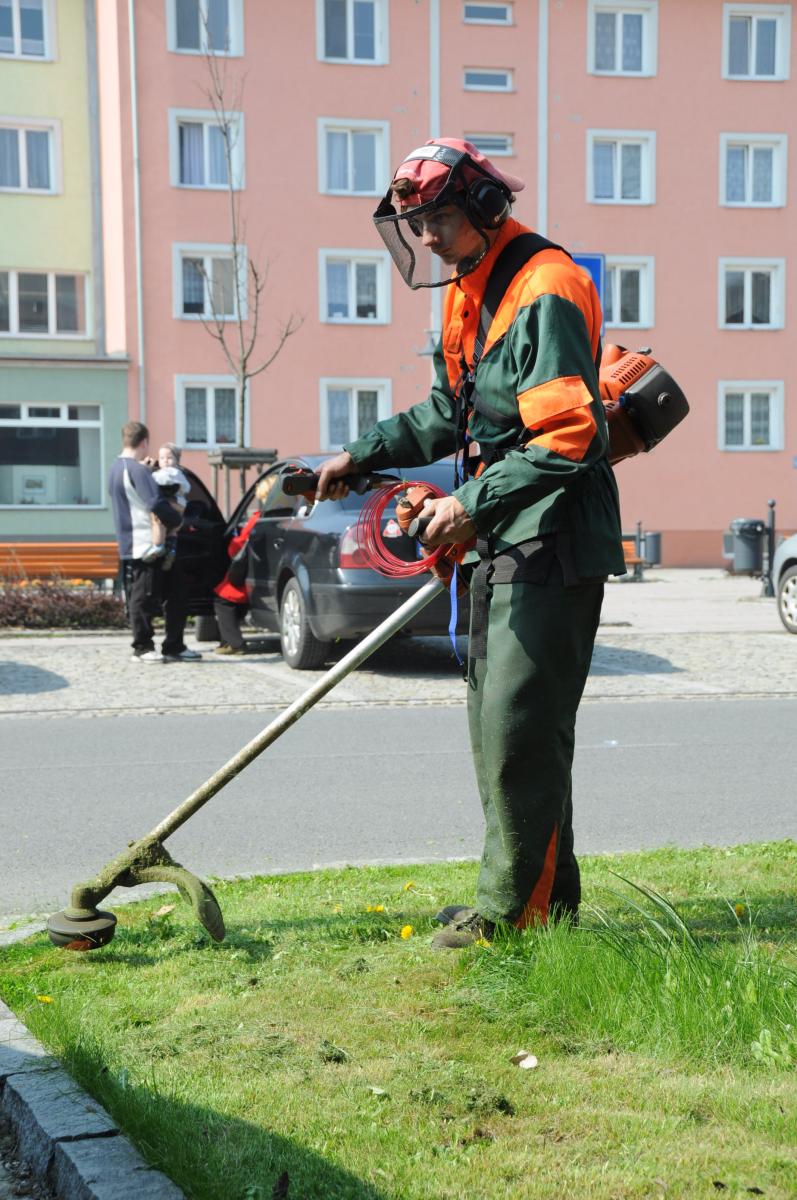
58,604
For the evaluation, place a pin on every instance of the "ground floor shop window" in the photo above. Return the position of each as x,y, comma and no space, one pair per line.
50,455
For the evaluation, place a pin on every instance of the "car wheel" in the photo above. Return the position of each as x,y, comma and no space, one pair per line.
300,648
787,599
206,629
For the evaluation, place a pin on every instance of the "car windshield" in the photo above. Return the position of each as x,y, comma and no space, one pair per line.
440,474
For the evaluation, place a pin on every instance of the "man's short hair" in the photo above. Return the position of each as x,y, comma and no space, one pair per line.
133,434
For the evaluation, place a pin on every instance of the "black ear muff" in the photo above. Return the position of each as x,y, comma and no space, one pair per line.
488,203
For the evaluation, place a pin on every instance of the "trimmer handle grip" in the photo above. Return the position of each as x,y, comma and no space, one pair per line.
298,483
418,525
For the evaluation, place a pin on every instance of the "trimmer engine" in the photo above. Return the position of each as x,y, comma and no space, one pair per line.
643,402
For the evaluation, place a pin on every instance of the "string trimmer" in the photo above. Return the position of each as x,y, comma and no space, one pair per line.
84,926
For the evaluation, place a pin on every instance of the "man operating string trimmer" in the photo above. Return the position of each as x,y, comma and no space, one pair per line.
517,398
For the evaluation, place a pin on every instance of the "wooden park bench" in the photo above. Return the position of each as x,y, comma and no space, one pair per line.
66,560
633,561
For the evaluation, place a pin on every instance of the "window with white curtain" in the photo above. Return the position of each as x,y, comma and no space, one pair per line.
353,157
628,292
50,455
207,410
350,407
756,41
352,31
27,157
622,38
205,282
354,287
199,146
26,29
750,414
42,304
751,293
753,170
621,166
205,26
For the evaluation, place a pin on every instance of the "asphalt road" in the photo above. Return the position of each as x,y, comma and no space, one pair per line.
381,784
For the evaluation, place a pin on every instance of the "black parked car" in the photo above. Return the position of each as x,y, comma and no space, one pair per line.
307,580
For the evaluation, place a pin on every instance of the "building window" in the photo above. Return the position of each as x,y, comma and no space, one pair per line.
26,29
628,292
51,455
353,157
487,79
751,293
354,287
42,304
27,157
487,14
202,150
205,26
492,145
621,167
350,407
352,31
621,38
751,415
753,170
205,284
756,41
207,411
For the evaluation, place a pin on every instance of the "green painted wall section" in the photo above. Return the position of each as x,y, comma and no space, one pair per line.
51,232
106,386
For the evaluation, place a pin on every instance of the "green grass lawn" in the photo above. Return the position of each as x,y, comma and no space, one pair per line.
324,1045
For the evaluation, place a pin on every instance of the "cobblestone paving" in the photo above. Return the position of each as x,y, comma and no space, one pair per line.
684,634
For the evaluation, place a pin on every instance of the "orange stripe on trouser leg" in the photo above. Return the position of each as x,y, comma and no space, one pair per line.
535,910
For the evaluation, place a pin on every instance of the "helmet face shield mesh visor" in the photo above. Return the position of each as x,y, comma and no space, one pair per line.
403,234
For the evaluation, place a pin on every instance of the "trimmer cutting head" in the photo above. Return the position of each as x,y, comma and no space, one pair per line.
70,931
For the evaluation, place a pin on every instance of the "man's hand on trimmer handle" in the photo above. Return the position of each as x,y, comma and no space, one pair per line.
444,521
330,486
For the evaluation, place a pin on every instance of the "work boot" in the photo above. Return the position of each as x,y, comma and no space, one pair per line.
458,934
453,913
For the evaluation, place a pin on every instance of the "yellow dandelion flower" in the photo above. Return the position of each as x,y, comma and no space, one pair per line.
379,908
45,999
406,931
337,908
409,886
740,910
482,942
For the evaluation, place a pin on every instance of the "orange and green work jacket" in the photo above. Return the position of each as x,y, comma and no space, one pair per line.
537,413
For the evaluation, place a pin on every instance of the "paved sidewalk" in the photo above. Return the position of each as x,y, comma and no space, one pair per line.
679,633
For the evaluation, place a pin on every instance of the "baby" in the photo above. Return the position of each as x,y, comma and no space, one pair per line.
174,487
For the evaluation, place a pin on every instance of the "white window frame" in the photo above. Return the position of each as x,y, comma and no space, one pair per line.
206,117
507,152
782,14
345,125
777,292
50,48
383,388
236,14
776,413
507,19
13,306
481,87
206,251
646,138
181,382
61,422
381,35
778,143
649,11
35,125
646,265
379,258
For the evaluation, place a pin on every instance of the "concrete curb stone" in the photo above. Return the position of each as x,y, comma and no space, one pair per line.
70,1141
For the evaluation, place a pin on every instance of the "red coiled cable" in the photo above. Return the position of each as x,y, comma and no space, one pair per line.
372,545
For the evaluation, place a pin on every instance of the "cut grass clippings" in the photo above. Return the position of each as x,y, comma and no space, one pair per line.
323,1050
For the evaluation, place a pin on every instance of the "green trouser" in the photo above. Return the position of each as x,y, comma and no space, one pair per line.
522,701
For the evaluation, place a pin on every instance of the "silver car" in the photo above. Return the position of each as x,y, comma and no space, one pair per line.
784,580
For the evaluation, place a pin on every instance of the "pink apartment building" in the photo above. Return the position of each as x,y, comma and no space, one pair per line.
653,133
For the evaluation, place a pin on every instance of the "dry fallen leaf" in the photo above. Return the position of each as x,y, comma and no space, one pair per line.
524,1060
164,910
